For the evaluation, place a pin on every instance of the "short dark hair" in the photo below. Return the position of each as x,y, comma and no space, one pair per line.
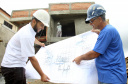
103,17
35,19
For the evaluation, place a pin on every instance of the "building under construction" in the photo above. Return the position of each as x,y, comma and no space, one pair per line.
71,17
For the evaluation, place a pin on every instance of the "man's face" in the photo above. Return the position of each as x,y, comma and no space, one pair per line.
94,22
38,27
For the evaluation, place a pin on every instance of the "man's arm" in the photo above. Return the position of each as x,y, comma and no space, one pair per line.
38,69
96,31
87,56
39,43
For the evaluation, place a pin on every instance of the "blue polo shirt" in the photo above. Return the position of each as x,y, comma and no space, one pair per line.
110,64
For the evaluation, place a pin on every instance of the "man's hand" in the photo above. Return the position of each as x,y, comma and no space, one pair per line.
96,31
39,43
37,67
42,44
87,56
77,60
45,78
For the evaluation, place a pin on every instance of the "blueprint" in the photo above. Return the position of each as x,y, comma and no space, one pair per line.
56,61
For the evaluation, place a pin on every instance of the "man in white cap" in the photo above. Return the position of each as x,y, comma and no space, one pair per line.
21,47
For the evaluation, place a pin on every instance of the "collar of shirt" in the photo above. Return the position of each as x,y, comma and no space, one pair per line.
31,29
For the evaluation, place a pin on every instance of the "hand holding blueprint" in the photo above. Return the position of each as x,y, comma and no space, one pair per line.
56,61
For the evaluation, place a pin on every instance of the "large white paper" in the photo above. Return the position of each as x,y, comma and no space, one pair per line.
56,61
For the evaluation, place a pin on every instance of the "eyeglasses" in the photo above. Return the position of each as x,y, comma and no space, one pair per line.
42,25
93,20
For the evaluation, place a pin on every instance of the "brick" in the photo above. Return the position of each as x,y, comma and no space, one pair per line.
33,11
80,6
20,14
4,12
59,7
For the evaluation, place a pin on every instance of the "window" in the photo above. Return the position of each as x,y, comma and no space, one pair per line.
67,22
68,28
7,24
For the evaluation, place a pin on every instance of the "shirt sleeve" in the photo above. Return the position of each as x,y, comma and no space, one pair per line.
103,42
27,47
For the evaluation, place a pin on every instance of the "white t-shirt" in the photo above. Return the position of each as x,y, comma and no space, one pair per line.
59,28
20,47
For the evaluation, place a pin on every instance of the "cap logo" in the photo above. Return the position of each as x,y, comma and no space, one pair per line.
100,8
94,8
92,12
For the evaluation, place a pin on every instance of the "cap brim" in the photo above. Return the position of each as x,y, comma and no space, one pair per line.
87,22
45,24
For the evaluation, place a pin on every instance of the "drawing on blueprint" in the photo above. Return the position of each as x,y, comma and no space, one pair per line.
56,60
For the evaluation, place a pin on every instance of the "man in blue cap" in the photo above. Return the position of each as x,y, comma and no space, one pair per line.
108,50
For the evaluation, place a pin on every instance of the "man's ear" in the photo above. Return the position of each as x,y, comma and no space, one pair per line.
34,21
100,19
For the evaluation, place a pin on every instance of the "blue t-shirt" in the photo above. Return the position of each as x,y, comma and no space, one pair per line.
110,64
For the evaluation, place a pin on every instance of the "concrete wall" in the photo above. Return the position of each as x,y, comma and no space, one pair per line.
5,32
76,12
81,26
58,11
7,19
5,35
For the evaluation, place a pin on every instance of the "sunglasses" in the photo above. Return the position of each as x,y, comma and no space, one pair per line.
93,20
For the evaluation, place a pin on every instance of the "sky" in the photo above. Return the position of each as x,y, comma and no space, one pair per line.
116,12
